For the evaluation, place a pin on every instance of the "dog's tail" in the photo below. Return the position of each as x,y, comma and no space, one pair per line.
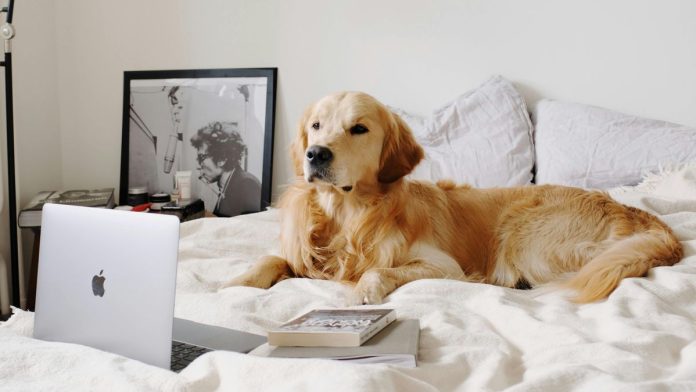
631,256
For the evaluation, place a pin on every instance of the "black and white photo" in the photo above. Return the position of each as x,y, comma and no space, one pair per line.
216,125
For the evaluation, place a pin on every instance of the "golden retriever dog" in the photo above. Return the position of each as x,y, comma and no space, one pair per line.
352,217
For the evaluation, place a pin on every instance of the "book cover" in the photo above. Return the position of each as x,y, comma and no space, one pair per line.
397,344
82,197
332,328
37,202
30,215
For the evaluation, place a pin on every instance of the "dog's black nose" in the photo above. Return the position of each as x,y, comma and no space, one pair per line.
319,156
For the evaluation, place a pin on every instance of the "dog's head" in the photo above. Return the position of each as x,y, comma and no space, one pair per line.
350,137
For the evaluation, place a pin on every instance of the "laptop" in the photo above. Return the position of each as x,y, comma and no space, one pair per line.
107,279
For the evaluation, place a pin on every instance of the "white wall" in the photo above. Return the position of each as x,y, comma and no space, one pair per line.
639,57
635,56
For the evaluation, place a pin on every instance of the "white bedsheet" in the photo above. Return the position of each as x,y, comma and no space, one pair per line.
474,336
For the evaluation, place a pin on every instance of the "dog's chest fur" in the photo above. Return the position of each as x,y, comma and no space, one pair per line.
346,238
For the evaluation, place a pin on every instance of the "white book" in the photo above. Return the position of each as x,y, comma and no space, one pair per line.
332,328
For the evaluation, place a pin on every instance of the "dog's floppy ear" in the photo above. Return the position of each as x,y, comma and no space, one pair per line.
400,152
299,145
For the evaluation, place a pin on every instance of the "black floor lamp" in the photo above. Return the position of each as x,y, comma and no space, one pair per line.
6,33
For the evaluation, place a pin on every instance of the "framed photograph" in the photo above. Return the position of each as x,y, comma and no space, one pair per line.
214,126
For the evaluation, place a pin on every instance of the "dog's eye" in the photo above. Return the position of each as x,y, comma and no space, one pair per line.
358,129
316,125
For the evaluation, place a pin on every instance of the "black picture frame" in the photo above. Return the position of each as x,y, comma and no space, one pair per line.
206,108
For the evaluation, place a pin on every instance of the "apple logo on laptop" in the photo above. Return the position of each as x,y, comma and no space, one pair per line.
98,284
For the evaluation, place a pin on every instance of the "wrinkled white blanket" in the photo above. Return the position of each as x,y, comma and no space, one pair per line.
474,336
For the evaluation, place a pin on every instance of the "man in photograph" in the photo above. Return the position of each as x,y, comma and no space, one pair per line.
220,150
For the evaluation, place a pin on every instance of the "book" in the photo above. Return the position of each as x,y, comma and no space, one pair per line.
332,328
30,215
185,209
397,344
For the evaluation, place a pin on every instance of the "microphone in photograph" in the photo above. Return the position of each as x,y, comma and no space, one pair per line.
170,154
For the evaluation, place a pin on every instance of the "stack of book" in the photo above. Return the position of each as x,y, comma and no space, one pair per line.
30,215
355,335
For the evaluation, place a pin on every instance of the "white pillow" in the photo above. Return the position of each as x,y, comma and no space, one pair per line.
591,147
483,138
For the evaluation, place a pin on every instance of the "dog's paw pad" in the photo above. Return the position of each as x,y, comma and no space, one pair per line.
370,290
354,299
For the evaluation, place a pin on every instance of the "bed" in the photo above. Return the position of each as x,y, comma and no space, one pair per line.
473,336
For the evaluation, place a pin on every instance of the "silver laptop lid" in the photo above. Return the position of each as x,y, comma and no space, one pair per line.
107,279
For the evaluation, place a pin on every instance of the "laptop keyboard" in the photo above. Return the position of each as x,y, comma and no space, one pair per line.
184,353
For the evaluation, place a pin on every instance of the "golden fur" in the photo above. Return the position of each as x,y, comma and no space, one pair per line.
358,221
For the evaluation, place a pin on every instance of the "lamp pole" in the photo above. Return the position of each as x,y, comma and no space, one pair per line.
7,33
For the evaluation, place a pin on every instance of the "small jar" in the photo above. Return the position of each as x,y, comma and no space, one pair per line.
158,200
137,195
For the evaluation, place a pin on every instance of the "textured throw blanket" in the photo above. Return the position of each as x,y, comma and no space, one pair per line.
474,337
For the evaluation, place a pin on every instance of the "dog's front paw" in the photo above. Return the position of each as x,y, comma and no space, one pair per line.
264,274
370,290
247,279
